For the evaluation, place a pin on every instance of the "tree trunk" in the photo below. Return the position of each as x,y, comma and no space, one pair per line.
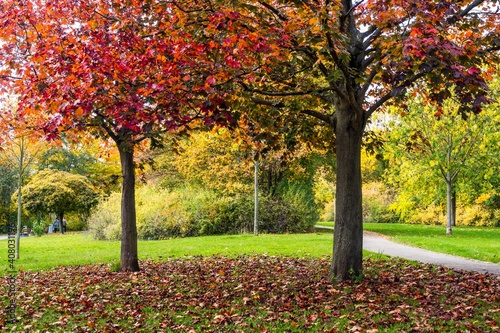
449,205
19,214
19,198
256,199
61,217
454,208
128,258
348,232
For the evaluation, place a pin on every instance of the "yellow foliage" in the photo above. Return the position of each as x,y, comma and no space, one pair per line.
431,215
484,197
475,215
215,160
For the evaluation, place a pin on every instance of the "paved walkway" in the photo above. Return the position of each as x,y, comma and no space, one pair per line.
379,244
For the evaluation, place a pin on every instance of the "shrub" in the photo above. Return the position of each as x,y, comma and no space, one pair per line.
302,209
496,218
476,215
38,227
328,213
76,222
324,196
377,204
105,221
186,212
431,215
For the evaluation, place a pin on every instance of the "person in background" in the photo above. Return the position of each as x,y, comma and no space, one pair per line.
56,224
63,227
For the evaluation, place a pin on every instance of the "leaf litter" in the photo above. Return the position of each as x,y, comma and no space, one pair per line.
254,294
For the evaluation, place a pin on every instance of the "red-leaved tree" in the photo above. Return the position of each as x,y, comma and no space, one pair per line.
125,70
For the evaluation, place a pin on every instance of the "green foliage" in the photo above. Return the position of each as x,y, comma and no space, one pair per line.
38,227
496,218
62,159
8,181
163,214
428,147
83,160
215,160
324,194
76,222
377,204
52,191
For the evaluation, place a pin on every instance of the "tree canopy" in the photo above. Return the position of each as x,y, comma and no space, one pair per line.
59,192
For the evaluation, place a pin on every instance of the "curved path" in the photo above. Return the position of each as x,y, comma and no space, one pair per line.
379,244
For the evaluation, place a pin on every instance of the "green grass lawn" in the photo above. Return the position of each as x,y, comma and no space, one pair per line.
478,243
238,283
79,248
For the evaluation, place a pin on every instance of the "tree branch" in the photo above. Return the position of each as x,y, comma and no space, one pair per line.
274,11
393,93
321,116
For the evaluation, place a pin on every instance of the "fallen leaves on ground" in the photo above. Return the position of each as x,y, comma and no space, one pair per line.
254,294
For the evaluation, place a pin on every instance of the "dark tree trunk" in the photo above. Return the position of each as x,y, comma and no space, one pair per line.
348,232
129,258
61,217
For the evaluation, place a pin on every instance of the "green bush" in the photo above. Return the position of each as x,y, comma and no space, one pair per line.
76,222
496,218
38,227
377,204
163,214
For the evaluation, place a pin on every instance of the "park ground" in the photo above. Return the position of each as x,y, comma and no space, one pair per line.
279,286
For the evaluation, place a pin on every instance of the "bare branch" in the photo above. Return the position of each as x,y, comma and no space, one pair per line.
274,11
10,77
467,10
391,93
261,101
321,116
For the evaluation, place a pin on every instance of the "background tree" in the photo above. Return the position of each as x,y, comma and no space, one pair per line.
416,149
215,160
442,141
96,161
7,187
20,152
59,192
